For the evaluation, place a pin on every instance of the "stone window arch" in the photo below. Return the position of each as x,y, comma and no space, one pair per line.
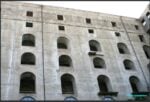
28,40
67,84
135,83
123,48
65,60
28,58
62,43
147,51
27,83
94,45
128,64
104,84
99,63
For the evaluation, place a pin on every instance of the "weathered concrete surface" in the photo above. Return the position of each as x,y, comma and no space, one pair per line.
13,19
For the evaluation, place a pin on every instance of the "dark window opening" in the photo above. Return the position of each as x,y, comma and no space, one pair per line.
134,82
59,17
147,14
147,51
147,55
67,84
99,63
27,83
128,64
62,46
134,87
93,48
141,37
67,87
121,51
62,43
117,33
91,31
113,24
136,27
122,48
104,84
88,20
61,28
143,22
65,60
98,66
30,13
94,45
28,40
29,24
27,43
28,58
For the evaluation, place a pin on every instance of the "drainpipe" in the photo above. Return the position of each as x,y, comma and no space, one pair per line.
148,87
43,50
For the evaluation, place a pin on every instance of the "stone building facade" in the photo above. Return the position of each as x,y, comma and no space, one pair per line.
145,19
50,53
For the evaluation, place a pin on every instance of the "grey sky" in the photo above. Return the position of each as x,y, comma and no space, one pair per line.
122,8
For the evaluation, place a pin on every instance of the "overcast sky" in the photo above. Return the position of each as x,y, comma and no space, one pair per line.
122,8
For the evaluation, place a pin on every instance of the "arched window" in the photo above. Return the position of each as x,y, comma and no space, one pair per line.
147,51
94,45
28,58
128,64
104,84
65,60
99,63
67,84
123,48
28,40
62,43
134,82
27,83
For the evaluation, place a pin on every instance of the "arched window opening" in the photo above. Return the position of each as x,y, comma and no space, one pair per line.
28,58
104,84
94,45
62,43
134,82
128,64
28,40
65,60
123,48
147,51
67,84
99,63
27,83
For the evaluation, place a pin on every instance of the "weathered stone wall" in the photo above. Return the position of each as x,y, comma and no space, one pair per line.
45,30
